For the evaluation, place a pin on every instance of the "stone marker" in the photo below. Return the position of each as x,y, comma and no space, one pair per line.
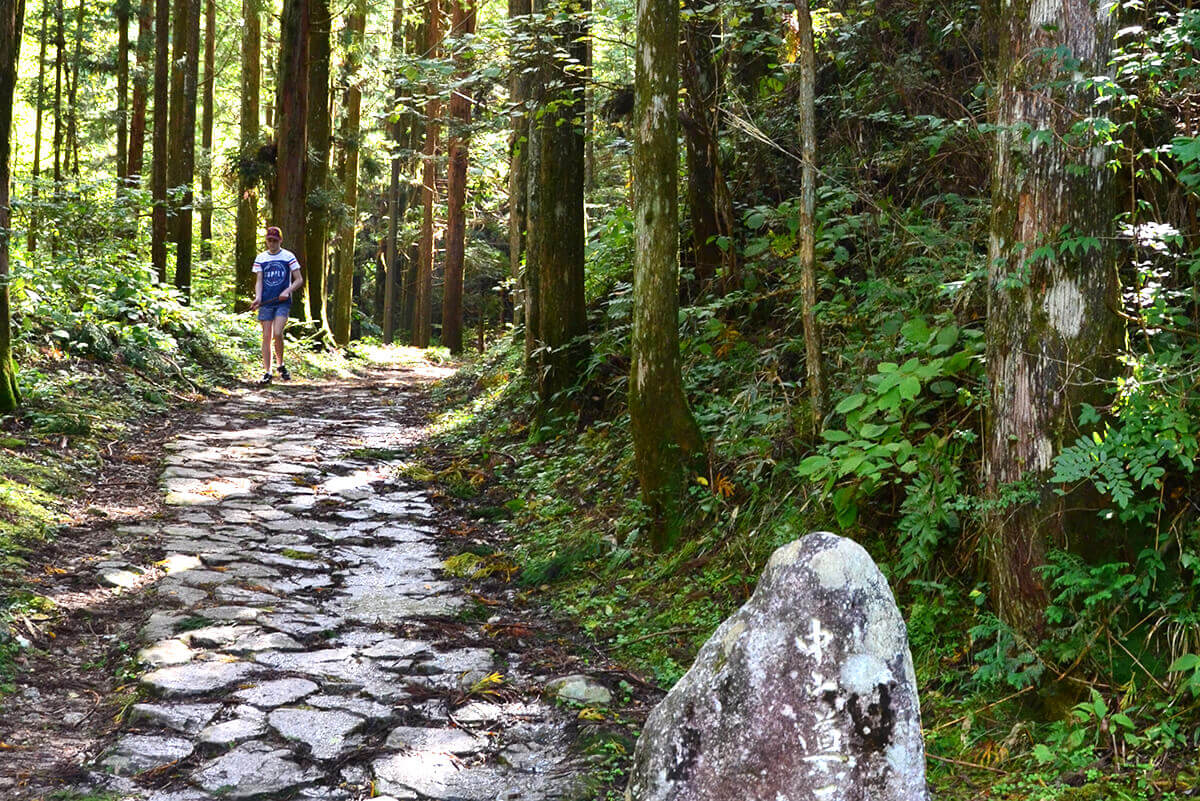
807,693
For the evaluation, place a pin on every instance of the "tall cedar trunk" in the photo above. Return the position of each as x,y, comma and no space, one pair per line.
456,188
141,82
410,134
709,201
60,44
666,440
348,174
806,57
72,154
35,213
317,178
246,245
535,227
187,156
206,128
390,246
122,11
518,89
1052,328
12,23
179,28
422,323
292,109
158,176
562,317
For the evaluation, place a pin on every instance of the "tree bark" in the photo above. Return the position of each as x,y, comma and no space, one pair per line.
666,439
292,109
72,153
179,28
348,173
183,252
158,177
122,12
518,14
317,176
456,188
35,211
422,324
390,246
60,45
206,127
12,23
709,202
1052,329
561,314
141,83
807,68
246,244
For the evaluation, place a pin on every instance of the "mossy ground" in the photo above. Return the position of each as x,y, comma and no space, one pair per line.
566,493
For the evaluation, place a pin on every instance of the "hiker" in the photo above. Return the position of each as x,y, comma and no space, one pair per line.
278,276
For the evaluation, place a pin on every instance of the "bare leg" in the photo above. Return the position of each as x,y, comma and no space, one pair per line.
280,323
266,345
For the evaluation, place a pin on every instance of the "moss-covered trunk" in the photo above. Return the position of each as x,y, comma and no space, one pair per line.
560,179
422,324
12,21
206,128
1052,328
463,24
158,177
292,110
807,69
316,179
141,86
666,439
348,174
122,11
187,152
246,246
34,217
518,93
391,241
709,202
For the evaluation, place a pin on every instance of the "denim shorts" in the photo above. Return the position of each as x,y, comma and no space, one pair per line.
273,311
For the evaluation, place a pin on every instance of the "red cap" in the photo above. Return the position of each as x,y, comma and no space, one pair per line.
273,232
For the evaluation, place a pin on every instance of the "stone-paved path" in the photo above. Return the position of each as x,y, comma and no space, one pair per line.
295,651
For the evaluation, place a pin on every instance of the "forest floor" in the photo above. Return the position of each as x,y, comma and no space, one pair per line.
262,609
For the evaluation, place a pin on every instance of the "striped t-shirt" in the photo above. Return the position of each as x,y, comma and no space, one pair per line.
276,269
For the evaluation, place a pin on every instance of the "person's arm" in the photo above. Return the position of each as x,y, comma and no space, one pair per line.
257,291
297,282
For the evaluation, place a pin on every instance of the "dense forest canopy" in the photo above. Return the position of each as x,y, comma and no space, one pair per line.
921,273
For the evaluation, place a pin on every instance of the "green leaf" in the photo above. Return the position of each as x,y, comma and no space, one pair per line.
1185,662
851,403
835,435
910,387
813,464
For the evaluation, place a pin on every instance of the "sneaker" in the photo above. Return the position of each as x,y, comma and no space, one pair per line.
266,379
284,375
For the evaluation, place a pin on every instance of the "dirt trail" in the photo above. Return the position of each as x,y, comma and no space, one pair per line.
295,635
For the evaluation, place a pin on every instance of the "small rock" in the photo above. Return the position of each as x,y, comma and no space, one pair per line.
580,689
442,741
167,652
198,678
232,732
325,732
276,693
254,769
135,753
184,718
